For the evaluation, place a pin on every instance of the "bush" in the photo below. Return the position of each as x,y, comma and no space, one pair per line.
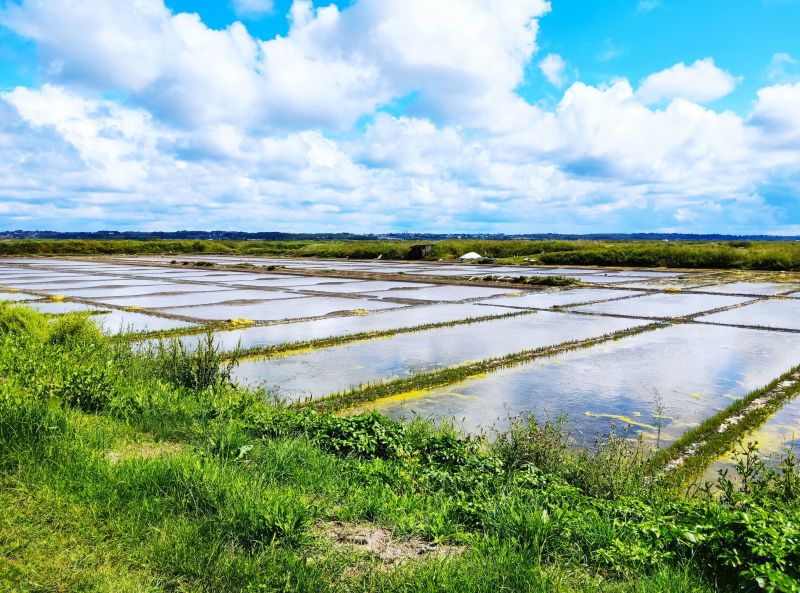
74,329
16,319
89,387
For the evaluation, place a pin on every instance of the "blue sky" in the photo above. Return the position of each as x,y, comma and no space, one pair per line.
378,115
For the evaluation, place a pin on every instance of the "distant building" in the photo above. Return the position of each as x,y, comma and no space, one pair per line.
420,251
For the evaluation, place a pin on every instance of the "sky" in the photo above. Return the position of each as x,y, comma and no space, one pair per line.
447,116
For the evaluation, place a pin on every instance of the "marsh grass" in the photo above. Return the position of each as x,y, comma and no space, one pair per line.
752,255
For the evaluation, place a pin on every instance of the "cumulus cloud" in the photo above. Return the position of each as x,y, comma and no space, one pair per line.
776,116
463,57
702,82
219,129
554,69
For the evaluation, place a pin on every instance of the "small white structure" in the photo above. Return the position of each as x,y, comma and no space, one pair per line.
470,256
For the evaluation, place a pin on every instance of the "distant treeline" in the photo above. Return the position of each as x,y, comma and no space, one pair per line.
752,255
188,235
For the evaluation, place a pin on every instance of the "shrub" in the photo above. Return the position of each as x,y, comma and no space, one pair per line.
16,319
74,329
86,384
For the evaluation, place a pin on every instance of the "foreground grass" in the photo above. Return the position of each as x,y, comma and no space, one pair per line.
124,471
756,255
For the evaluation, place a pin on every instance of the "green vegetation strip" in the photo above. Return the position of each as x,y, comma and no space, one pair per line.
690,455
448,376
753,255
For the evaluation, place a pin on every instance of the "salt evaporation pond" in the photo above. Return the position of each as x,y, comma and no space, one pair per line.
16,296
754,288
664,305
301,331
184,299
696,372
367,286
57,308
563,298
339,368
115,322
291,308
443,293
123,291
776,313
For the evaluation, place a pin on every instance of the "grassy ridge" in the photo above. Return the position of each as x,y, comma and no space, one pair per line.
767,255
130,471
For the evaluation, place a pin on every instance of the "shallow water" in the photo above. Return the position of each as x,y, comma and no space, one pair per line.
16,296
777,313
338,368
293,308
301,282
160,301
695,372
113,291
234,278
61,307
664,305
754,288
562,298
272,335
58,288
444,293
116,321
46,278
384,288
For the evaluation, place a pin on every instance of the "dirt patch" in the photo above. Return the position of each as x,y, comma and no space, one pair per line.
380,543
143,450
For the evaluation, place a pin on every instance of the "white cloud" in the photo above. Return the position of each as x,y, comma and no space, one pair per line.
648,5
553,67
218,129
776,116
702,82
464,57
252,8
783,68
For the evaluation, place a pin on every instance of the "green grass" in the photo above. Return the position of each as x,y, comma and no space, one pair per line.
764,255
150,472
